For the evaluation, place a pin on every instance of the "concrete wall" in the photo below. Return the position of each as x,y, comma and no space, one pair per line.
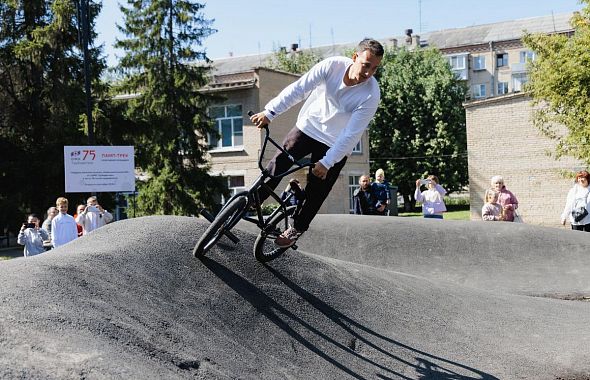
501,140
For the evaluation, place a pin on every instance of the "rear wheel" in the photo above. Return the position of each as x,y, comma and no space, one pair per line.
264,248
227,218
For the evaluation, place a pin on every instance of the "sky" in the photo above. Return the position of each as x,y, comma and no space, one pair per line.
247,27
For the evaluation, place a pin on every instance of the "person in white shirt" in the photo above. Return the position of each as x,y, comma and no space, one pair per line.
578,198
63,225
93,216
342,98
433,205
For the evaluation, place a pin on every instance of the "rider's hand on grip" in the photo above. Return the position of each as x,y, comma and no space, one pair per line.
258,119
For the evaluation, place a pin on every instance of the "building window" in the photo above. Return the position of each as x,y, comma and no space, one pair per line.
526,56
479,91
457,62
518,80
358,148
229,124
479,62
235,184
353,184
502,60
502,88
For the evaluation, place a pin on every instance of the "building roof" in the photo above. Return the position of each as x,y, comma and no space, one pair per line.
500,31
442,39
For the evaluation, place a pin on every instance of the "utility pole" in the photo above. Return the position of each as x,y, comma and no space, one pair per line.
84,23
420,15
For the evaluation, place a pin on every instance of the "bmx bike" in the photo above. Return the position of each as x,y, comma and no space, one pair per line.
238,206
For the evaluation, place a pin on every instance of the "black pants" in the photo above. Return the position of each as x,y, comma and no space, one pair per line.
299,145
581,227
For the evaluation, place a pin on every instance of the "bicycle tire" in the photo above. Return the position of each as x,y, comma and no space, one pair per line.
264,249
227,218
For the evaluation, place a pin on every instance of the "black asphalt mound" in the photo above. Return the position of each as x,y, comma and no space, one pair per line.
420,300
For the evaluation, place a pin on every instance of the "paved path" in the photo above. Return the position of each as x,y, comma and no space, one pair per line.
363,298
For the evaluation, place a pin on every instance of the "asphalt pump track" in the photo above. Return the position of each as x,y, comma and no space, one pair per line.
362,298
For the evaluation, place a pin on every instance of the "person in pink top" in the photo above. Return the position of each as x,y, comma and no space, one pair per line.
506,199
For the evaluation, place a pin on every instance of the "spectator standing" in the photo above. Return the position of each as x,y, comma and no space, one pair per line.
93,216
577,198
433,204
293,188
365,202
506,199
491,210
79,209
32,237
51,213
382,193
63,226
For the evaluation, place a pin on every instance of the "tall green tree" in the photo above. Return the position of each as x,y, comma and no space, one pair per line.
559,83
419,127
169,114
42,99
297,62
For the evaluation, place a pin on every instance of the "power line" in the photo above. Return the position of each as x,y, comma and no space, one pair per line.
416,157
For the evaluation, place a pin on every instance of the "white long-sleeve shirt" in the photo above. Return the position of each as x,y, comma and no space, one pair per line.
91,219
334,114
63,229
432,200
576,197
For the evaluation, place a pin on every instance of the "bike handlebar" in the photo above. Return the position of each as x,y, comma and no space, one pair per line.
267,138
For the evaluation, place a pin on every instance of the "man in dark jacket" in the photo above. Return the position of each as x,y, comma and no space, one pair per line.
365,202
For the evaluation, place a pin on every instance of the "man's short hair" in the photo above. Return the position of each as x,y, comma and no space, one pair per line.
371,45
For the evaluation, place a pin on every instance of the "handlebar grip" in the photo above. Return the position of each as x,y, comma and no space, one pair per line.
265,126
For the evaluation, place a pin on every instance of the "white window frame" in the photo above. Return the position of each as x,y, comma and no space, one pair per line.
504,60
502,88
233,190
479,91
353,184
526,56
236,125
518,80
479,62
358,148
457,62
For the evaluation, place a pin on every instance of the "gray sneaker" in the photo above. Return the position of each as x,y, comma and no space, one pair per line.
288,237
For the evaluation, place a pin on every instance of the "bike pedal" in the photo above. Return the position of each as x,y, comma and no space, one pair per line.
294,246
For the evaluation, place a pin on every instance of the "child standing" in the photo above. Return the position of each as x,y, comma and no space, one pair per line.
492,210
381,190
433,204
63,226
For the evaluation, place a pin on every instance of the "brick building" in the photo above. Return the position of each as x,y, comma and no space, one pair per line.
501,140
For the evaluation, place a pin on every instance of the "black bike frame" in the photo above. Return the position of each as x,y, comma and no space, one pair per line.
260,182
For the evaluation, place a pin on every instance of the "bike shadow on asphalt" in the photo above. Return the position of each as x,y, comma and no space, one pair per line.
425,364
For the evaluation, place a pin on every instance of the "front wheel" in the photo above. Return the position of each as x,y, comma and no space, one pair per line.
264,248
227,218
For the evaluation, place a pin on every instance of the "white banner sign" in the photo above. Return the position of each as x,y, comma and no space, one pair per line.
99,169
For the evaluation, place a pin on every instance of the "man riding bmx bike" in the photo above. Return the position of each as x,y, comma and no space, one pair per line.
342,98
